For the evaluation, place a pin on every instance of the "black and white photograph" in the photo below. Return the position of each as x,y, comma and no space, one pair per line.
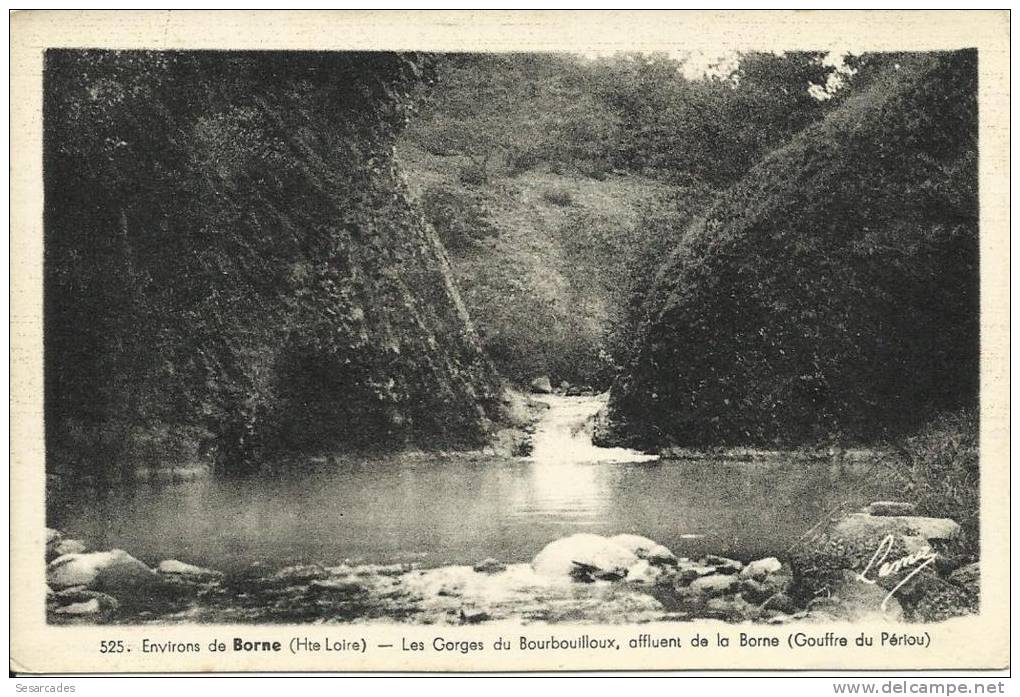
512,339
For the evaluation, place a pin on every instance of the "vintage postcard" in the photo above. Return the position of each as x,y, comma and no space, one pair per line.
509,341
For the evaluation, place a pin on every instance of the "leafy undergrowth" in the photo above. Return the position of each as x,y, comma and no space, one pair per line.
939,470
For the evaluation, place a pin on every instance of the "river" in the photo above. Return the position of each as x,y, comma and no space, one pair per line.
438,510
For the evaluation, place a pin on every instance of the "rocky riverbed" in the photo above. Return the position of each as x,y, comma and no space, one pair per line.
883,563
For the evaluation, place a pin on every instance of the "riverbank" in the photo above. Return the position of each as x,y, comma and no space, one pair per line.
883,564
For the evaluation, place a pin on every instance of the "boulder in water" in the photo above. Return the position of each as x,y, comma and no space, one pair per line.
760,568
188,572
645,548
583,555
113,569
714,585
541,385
644,572
687,571
300,574
77,595
61,546
723,565
489,566
471,615
88,607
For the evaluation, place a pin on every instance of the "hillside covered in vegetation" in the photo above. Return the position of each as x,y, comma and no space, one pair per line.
233,268
558,183
831,293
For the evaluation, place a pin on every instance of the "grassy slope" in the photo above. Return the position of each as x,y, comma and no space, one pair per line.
545,290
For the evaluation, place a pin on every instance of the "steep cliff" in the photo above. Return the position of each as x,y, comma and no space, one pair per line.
230,254
833,292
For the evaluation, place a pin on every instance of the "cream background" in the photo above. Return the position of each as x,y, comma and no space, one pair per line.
973,642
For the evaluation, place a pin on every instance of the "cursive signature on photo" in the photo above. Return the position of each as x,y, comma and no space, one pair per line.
922,557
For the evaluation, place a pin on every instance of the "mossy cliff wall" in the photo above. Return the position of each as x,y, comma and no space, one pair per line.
831,293
230,255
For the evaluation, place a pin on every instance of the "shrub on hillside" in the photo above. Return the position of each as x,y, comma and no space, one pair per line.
459,216
940,471
558,196
834,290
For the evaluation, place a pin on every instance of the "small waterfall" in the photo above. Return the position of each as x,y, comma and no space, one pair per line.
563,438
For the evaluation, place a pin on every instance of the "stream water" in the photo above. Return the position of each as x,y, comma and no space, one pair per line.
459,509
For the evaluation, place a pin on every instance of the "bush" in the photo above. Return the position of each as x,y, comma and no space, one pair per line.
521,161
558,197
459,217
473,174
940,470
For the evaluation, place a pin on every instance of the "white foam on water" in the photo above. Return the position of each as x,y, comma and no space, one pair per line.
561,437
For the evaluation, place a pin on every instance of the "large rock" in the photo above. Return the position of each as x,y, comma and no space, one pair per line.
299,574
189,572
87,607
723,565
760,568
714,585
687,571
865,526
72,596
644,572
99,570
61,546
645,548
541,385
607,430
584,554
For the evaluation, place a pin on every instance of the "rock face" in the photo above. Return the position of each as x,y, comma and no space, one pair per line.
915,131
115,569
378,347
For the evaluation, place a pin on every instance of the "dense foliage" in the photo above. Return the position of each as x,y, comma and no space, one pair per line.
230,259
559,183
833,292
939,468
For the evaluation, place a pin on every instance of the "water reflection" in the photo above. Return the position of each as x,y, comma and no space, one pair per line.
461,509
565,477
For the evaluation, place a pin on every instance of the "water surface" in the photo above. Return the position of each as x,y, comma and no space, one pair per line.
459,509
